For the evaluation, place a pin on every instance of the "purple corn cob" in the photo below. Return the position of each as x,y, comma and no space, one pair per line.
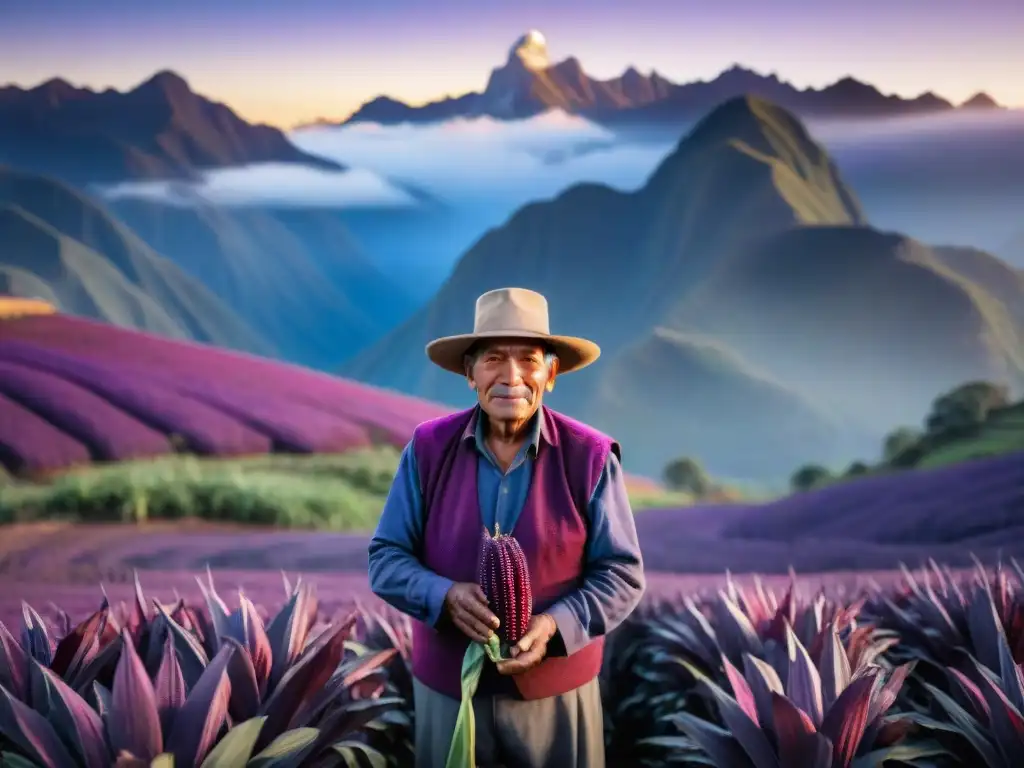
505,579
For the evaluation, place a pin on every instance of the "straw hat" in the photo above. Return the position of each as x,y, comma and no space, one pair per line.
512,313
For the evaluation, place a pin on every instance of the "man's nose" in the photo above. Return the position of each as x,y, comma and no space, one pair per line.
511,373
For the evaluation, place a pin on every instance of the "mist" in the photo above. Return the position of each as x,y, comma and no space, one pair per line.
952,178
470,161
273,184
955,179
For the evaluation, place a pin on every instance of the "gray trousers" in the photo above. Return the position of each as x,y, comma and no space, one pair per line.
564,731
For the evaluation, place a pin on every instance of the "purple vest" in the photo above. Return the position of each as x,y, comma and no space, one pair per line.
552,530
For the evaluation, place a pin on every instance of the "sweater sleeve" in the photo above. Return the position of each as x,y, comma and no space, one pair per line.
613,581
396,574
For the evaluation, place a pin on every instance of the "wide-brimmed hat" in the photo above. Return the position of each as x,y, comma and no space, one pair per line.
512,313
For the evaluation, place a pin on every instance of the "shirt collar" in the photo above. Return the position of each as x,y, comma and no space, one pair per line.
539,431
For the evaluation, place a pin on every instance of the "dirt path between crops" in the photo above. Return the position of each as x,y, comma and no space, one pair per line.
72,565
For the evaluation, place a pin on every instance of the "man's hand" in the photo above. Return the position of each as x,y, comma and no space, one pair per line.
467,607
532,647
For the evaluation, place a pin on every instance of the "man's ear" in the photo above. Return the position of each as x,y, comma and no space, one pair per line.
550,386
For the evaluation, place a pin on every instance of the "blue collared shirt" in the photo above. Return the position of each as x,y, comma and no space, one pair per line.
613,580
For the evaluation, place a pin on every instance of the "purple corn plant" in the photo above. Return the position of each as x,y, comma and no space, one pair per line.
979,713
824,715
287,689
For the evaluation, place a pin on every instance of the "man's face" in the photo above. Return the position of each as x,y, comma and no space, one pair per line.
510,378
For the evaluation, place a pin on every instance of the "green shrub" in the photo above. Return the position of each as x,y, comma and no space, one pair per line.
687,474
965,408
809,476
899,441
343,492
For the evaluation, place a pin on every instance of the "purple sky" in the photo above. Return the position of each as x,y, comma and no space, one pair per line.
284,62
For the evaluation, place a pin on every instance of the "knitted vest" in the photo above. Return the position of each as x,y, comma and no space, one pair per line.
551,529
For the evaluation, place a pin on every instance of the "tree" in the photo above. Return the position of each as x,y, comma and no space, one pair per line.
898,441
856,469
687,474
808,476
966,407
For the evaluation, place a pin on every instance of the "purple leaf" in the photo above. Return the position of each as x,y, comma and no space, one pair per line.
288,631
218,615
35,638
744,729
349,677
245,690
718,743
308,675
736,634
95,666
138,619
74,718
887,696
101,699
798,742
846,719
985,628
246,627
200,720
191,655
763,682
834,667
345,720
169,686
972,693
1006,721
32,733
803,683
13,664
79,645
1009,672
741,692
134,722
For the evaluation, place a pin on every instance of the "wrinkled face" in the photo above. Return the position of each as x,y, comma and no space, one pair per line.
510,378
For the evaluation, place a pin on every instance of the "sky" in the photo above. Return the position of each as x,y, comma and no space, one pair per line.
288,61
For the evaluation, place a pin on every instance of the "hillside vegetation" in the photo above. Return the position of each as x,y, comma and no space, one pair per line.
746,237
59,245
976,420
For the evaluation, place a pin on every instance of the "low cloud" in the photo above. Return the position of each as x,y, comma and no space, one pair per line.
279,184
950,178
482,160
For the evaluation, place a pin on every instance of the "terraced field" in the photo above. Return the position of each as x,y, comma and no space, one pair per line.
74,391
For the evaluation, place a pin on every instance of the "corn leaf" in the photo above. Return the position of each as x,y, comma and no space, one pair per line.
235,749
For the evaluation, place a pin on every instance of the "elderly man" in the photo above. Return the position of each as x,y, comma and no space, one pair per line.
558,487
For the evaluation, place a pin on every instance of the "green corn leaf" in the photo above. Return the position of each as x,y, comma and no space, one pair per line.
285,747
905,754
163,760
463,748
462,753
15,761
965,724
355,754
235,748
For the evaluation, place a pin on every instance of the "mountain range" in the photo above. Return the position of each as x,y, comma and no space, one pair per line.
528,83
748,311
160,129
742,301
